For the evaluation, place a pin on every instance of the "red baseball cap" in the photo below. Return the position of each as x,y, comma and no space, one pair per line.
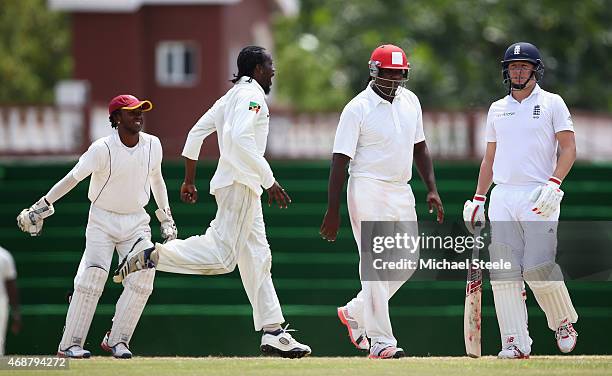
128,102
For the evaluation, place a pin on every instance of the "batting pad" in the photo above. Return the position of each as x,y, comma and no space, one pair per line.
511,314
498,252
546,282
87,291
136,290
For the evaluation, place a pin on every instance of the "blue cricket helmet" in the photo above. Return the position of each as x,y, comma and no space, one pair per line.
523,51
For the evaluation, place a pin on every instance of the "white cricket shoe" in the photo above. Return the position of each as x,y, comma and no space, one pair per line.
75,352
119,351
566,337
512,352
283,344
356,333
385,351
143,255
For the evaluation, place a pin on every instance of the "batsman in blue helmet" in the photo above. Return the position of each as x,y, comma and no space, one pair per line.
530,150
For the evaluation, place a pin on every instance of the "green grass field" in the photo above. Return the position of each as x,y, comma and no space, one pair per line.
538,365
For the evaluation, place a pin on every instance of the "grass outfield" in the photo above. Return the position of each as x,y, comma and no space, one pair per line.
537,365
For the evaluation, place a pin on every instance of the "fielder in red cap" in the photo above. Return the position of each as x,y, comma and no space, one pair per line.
125,168
127,106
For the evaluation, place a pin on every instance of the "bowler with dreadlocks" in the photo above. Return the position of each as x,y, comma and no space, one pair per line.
237,235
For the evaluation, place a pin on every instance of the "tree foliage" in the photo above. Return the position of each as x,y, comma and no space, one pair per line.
454,48
34,51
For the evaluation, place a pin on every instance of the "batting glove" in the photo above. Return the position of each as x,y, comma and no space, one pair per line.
474,213
168,227
31,220
547,198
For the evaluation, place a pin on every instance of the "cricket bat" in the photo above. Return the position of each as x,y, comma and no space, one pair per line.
472,316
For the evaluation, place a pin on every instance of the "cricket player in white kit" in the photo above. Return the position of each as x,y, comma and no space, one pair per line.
9,297
125,168
380,131
524,131
237,235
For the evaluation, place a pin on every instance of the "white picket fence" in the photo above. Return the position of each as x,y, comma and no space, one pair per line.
450,135
40,130
47,130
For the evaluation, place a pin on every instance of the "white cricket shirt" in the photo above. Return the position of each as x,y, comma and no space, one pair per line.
525,136
7,273
241,120
379,136
120,175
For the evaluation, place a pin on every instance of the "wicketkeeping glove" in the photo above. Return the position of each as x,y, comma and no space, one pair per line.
31,220
168,227
474,213
547,198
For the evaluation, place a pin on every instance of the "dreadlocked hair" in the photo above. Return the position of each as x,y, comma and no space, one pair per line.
112,120
248,59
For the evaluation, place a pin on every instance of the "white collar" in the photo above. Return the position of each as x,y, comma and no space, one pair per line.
536,90
117,139
252,81
377,99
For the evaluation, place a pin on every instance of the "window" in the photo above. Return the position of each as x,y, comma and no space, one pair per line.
176,63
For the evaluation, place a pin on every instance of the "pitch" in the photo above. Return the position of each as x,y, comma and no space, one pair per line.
355,366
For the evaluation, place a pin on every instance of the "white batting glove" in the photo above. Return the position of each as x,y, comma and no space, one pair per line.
31,220
547,198
168,227
474,213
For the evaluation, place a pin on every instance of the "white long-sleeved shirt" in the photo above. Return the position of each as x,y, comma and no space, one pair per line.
122,178
241,120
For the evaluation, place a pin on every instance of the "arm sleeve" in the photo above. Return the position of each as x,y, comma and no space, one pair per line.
561,117
62,187
203,128
420,134
92,160
158,185
243,138
347,133
490,129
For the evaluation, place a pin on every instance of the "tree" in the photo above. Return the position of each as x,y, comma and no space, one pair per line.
34,51
454,47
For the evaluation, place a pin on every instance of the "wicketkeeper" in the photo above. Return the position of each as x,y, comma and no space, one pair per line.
125,168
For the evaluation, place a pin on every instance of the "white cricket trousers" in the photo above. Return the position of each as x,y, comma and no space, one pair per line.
530,242
237,236
375,200
106,232
533,238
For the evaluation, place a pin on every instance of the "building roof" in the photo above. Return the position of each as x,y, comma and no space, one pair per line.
287,7
124,6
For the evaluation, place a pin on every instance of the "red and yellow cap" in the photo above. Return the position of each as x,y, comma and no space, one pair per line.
128,102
